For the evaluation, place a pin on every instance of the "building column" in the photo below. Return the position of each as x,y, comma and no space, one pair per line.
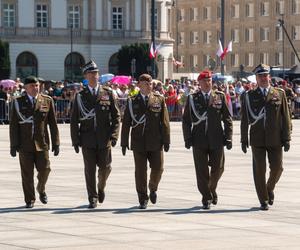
138,15
109,15
128,17
163,21
99,15
85,14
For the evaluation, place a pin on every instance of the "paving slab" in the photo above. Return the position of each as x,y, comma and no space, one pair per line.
177,221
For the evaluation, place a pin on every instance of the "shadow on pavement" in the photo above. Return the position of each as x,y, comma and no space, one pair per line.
135,209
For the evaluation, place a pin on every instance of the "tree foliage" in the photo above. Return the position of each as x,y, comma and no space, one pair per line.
4,60
139,52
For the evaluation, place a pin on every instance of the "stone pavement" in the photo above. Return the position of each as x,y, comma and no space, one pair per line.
175,222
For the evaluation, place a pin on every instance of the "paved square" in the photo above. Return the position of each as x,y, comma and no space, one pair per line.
175,222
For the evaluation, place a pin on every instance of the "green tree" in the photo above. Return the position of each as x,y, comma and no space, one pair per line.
4,60
139,52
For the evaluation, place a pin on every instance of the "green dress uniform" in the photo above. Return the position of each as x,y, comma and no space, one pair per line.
95,123
203,130
29,135
270,128
150,130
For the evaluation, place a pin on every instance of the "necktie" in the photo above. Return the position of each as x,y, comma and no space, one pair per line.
33,102
206,99
265,92
94,92
146,100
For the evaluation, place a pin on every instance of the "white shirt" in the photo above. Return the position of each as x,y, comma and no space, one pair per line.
262,90
95,88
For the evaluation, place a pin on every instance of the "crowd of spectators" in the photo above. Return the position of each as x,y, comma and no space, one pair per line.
174,91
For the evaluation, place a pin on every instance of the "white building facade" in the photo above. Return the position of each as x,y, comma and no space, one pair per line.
52,38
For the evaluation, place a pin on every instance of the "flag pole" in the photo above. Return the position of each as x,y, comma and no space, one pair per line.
153,36
222,33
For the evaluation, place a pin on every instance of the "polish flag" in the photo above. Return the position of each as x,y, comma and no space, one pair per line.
177,63
154,51
222,53
228,99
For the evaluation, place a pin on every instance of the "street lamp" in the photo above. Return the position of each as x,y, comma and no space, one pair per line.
222,32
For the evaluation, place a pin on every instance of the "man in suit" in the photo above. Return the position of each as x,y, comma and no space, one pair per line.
265,110
147,117
31,114
203,115
95,123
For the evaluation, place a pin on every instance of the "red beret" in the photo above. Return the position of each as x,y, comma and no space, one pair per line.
204,74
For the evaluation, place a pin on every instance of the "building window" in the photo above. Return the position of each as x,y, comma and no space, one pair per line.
249,10
296,32
206,37
181,38
41,15
249,60
235,11
264,34
278,58
73,65
194,14
264,58
181,15
74,17
249,35
235,35
26,64
264,9
278,34
205,60
296,6
280,7
193,62
235,60
117,18
218,11
194,37
207,13
9,18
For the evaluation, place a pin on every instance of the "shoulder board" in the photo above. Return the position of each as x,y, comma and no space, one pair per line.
279,89
106,88
46,96
218,92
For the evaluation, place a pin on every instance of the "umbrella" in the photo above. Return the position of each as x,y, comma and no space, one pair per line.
7,83
121,80
296,81
252,78
106,77
276,79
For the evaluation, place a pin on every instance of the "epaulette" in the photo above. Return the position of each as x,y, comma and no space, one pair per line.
46,96
219,92
279,89
106,88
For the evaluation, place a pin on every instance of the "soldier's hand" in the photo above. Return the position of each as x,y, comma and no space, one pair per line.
124,150
286,146
188,144
244,147
228,144
13,152
55,150
113,142
76,148
166,147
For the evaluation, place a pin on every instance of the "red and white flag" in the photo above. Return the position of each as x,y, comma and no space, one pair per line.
228,99
154,52
177,63
222,53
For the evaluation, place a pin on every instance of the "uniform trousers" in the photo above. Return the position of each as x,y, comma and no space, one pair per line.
155,159
207,181
92,158
39,159
259,169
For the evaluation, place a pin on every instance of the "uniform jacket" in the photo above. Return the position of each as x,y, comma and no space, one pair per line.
43,115
156,130
276,128
96,133
217,112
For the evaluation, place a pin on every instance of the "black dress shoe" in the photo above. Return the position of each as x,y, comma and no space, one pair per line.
93,203
143,205
215,198
153,197
101,196
43,198
271,197
206,204
29,204
264,206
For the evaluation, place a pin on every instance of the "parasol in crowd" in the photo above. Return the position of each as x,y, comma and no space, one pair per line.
7,83
106,77
122,80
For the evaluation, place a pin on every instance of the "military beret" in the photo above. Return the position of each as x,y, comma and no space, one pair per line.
91,66
30,79
262,69
204,74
